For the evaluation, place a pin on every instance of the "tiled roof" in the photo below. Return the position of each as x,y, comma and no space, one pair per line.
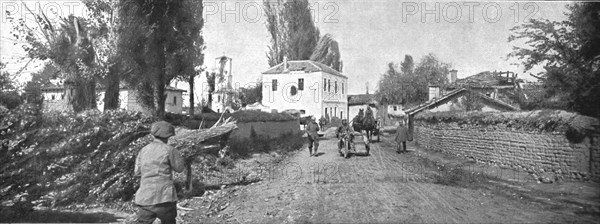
482,79
456,93
305,65
101,87
361,99
531,91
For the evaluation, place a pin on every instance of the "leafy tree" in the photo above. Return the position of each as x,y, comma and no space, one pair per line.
569,51
110,64
211,80
434,71
327,52
251,95
33,88
292,29
390,85
408,65
9,96
157,36
189,59
406,85
68,44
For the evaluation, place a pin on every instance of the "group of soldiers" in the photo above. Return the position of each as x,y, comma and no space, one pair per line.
312,129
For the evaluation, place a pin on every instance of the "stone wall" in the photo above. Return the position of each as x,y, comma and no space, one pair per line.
538,150
595,158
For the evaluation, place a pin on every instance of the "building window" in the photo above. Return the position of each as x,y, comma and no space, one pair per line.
326,111
324,84
62,96
342,114
329,85
274,84
293,91
52,96
335,87
395,108
175,100
334,111
219,98
301,84
342,88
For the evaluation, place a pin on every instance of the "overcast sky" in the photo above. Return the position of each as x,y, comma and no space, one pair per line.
471,36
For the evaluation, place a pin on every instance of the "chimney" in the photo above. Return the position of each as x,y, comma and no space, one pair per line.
452,78
285,64
434,92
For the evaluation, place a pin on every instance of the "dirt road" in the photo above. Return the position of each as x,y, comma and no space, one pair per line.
383,187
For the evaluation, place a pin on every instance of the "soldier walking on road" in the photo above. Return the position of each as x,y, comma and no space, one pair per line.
401,136
313,136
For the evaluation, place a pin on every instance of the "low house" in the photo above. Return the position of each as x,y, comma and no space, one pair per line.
55,99
501,86
462,99
361,101
307,86
458,100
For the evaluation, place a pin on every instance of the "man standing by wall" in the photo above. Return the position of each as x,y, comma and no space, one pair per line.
312,130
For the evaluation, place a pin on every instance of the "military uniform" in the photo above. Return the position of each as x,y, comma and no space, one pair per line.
312,130
156,197
401,137
341,131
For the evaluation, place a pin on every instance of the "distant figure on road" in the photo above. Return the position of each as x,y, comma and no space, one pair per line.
312,130
156,196
401,136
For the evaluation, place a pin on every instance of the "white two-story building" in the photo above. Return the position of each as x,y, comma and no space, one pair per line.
307,86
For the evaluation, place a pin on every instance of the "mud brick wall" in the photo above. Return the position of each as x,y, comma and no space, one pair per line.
539,152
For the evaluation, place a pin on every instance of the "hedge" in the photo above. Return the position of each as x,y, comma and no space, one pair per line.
538,120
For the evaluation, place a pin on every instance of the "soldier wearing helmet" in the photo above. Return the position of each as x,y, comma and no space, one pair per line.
344,129
312,130
156,197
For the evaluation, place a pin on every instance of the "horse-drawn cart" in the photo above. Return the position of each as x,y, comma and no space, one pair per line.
347,148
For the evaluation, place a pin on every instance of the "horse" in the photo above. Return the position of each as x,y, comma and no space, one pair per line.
365,121
369,124
357,121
